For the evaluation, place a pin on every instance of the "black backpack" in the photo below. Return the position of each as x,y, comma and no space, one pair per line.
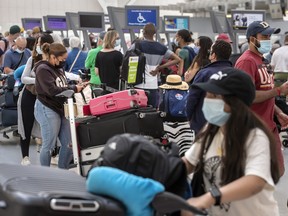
138,75
141,156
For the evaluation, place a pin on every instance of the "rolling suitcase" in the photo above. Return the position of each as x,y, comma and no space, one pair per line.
93,133
43,191
122,100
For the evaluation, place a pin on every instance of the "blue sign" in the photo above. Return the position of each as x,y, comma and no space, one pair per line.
140,17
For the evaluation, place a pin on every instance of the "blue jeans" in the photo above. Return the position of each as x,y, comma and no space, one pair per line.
53,126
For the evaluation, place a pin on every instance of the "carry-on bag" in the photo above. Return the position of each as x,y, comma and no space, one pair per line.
122,100
35,191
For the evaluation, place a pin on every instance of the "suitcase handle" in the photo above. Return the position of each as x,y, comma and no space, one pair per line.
110,104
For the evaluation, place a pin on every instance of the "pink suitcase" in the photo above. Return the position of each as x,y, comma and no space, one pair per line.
122,100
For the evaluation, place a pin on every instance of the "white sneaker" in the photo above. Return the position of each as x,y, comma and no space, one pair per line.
25,161
54,160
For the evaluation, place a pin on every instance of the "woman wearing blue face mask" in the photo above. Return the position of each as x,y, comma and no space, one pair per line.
109,60
234,152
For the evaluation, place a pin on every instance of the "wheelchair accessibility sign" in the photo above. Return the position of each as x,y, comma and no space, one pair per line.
140,17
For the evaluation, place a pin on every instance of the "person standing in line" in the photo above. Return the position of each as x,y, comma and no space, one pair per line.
201,59
91,58
219,57
27,97
239,167
16,56
252,62
154,52
49,109
109,60
9,41
76,57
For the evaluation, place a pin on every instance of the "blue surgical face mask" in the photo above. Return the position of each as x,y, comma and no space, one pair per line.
213,110
117,42
265,46
38,50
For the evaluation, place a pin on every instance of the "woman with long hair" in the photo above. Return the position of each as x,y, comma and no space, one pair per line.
201,59
235,152
27,97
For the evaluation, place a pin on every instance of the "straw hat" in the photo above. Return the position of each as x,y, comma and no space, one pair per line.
174,82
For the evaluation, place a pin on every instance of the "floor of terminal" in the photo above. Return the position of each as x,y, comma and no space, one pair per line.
10,152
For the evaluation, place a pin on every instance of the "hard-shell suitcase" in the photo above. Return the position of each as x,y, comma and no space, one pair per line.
43,191
122,100
144,121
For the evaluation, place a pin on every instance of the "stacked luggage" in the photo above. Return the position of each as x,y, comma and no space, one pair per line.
116,113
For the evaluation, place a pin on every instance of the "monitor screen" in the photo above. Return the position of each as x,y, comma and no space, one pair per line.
72,20
91,21
175,23
57,23
30,23
242,19
139,16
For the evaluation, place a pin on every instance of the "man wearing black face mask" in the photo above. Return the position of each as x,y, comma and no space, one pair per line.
252,61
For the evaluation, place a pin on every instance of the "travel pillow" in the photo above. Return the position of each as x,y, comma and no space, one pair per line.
135,192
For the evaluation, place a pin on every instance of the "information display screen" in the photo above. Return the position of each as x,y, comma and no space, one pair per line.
175,23
30,23
242,19
56,23
91,21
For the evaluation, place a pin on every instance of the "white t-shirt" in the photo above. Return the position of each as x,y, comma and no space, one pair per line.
257,163
280,59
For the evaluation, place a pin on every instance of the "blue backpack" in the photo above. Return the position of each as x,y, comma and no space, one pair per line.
175,102
191,52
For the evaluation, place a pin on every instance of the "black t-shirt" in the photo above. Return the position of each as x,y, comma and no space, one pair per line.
108,64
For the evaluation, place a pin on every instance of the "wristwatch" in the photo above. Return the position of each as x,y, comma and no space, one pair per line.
216,194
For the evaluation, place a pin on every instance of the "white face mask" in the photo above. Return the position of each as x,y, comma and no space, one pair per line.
19,51
38,50
213,110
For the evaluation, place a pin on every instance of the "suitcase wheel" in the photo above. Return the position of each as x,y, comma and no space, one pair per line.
141,115
162,114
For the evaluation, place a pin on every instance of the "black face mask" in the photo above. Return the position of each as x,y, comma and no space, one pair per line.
61,64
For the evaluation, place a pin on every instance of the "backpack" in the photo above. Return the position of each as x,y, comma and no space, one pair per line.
133,66
174,101
140,156
192,53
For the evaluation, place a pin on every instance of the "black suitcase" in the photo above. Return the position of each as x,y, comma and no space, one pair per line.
97,130
9,116
44,191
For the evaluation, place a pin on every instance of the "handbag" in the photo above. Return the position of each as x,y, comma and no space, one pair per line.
31,88
197,183
82,98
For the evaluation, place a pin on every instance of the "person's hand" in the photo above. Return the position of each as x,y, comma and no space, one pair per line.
155,71
283,120
284,88
187,77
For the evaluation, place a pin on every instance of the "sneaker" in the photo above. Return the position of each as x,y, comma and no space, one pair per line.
25,161
54,160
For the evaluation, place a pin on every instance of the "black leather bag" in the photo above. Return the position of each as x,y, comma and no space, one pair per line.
197,183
